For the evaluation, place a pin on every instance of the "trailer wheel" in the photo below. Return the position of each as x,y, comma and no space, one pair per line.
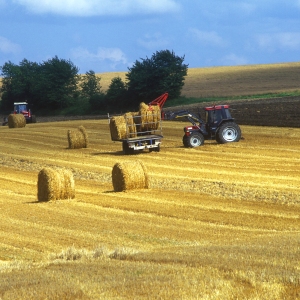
157,149
195,140
126,149
228,132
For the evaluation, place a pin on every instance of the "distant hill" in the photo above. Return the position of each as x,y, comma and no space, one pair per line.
233,80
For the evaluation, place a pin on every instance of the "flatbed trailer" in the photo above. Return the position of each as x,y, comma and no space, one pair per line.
151,142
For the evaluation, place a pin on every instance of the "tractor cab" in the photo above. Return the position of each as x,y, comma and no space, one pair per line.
23,108
216,114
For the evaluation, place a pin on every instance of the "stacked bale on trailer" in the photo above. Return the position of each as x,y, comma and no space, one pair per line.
77,138
55,184
16,121
128,175
117,127
131,124
149,117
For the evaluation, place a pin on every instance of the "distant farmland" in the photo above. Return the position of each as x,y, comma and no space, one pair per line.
233,81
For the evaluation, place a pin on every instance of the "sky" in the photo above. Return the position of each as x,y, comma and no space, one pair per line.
110,35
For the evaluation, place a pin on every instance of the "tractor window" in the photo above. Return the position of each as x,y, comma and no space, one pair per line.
19,108
22,107
213,116
217,116
228,115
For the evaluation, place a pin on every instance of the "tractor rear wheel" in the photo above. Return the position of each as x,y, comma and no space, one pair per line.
195,140
228,132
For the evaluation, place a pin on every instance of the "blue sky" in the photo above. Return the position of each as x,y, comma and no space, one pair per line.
110,35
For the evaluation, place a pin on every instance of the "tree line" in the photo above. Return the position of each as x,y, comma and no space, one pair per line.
55,84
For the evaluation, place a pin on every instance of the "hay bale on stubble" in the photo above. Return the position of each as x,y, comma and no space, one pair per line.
77,138
131,126
67,184
117,126
129,175
16,121
55,184
150,116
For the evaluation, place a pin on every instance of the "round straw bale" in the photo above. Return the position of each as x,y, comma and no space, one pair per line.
150,116
77,138
117,127
16,121
67,184
156,116
49,185
128,175
55,184
131,127
84,135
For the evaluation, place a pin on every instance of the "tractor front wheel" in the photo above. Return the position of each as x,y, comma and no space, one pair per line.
185,141
194,140
228,132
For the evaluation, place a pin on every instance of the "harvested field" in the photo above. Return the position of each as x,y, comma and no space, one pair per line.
217,222
233,80
242,80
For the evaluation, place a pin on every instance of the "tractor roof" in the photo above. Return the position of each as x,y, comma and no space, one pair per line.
17,103
216,107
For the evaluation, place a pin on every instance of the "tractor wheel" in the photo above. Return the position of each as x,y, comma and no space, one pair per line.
228,132
195,140
33,119
185,141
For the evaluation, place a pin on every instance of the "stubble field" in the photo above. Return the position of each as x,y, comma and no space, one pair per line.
218,222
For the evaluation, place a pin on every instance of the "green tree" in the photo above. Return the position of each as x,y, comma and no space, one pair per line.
151,77
91,91
90,84
58,84
116,94
18,83
51,85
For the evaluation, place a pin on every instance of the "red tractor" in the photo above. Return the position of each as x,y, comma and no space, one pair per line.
219,126
22,108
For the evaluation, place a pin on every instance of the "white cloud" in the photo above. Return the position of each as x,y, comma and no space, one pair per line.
283,40
6,46
234,60
154,42
114,56
208,37
99,7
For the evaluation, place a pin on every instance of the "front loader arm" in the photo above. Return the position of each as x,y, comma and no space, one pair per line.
195,120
